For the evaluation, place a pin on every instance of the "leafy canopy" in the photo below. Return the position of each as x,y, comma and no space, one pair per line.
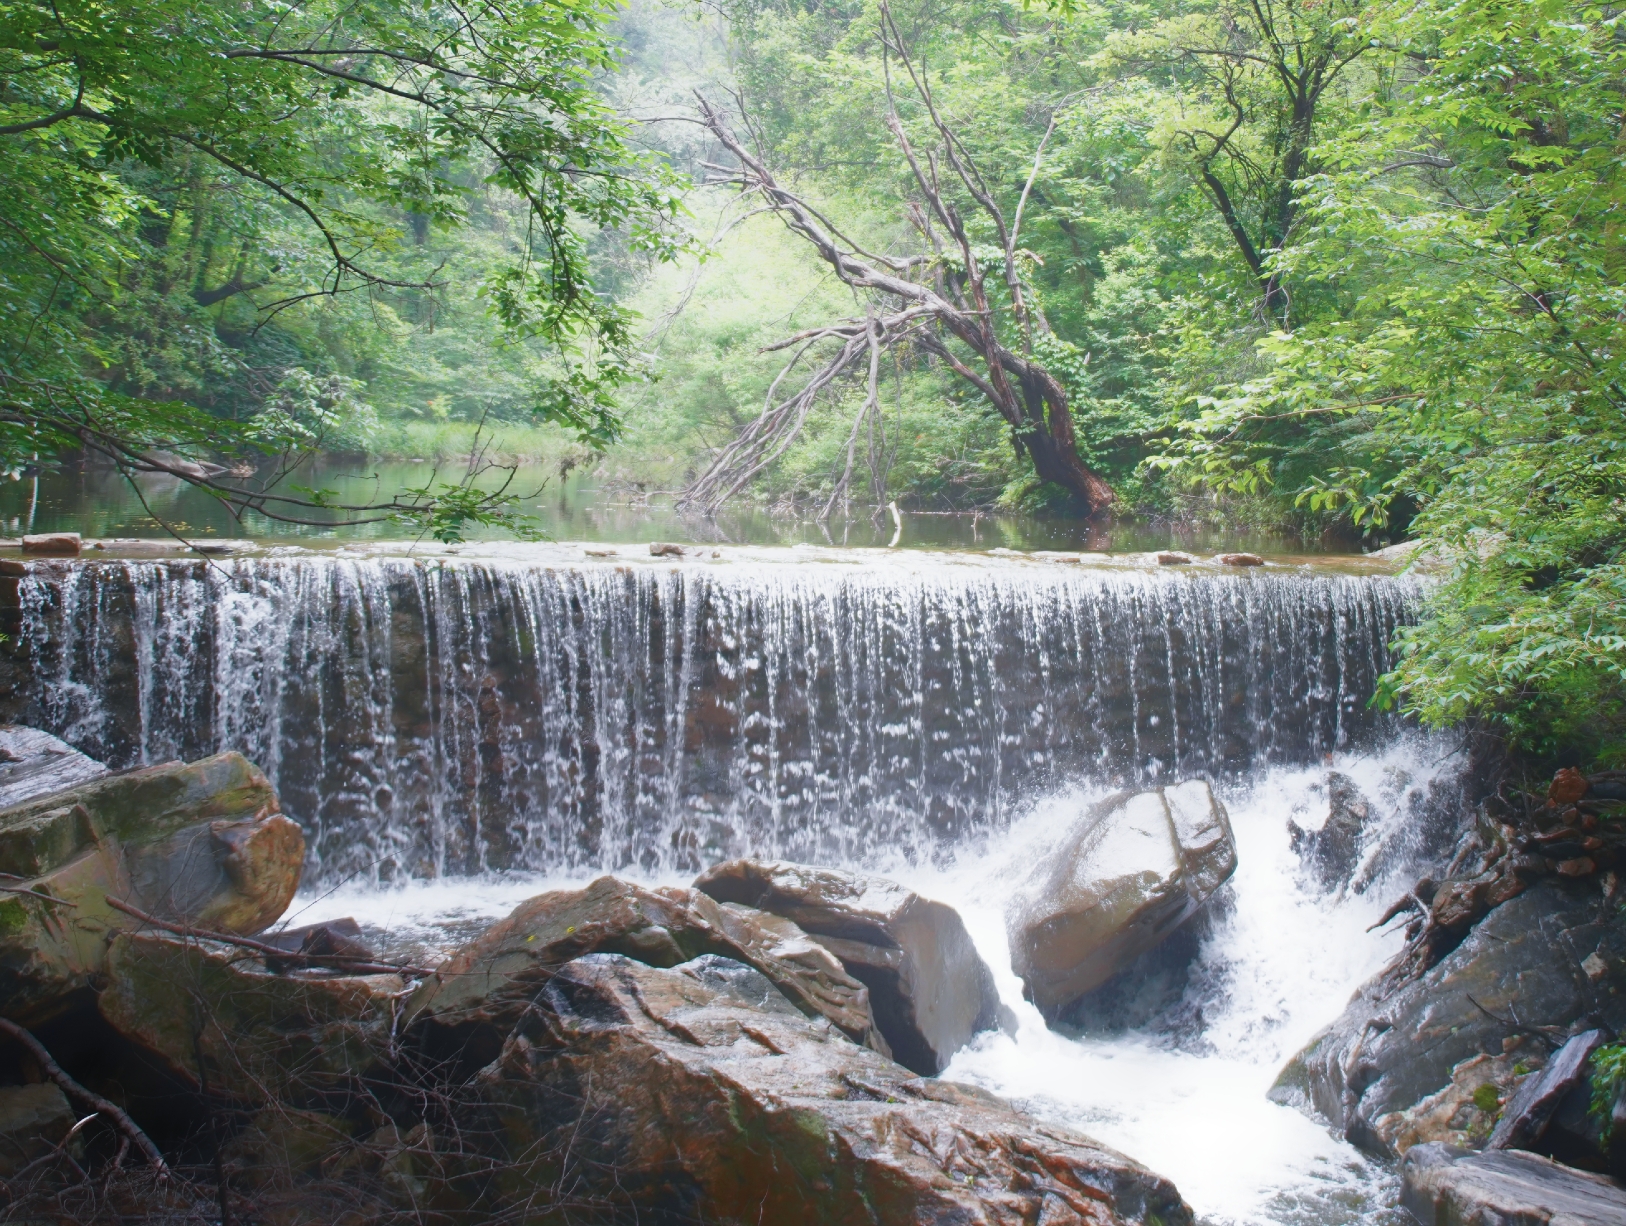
337,126
1472,226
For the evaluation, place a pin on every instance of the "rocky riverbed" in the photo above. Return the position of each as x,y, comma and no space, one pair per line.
766,1043
723,1053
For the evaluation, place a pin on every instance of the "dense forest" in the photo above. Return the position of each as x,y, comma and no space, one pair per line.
1347,266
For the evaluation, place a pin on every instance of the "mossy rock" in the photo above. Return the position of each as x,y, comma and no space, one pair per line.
222,1020
199,843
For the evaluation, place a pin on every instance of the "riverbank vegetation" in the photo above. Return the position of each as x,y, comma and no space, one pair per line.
1353,265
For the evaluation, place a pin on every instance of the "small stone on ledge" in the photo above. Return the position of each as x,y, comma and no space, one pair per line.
57,544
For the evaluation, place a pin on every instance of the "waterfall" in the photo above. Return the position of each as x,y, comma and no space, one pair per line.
451,715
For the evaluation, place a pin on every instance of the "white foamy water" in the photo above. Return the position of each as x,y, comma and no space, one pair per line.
1280,962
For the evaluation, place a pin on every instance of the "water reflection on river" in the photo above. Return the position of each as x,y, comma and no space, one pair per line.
97,503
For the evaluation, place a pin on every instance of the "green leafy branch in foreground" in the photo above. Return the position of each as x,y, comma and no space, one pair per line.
334,129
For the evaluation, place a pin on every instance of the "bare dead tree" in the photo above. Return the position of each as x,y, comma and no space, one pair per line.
938,300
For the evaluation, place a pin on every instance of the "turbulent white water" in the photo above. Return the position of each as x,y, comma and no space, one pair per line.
941,720
1280,962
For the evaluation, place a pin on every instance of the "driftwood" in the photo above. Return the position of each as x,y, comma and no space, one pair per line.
938,300
344,962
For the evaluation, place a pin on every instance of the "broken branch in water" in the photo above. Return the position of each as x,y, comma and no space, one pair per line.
95,1102
28,893
344,962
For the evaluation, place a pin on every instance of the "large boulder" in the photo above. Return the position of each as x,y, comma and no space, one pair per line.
198,844
1548,961
1136,867
676,1094
222,1021
929,989
494,977
1443,1186
516,1085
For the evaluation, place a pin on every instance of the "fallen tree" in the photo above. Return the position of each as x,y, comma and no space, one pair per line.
976,317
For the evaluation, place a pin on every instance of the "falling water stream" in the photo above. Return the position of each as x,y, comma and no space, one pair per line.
458,732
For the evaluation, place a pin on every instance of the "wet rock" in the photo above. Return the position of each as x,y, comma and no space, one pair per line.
1173,557
35,763
1576,1135
1464,1113
55,544
1150,994
1333,852
339,938
928,988
672,1098
1442,1186
220,1019
1527,1116
1520,971
1134,869
491,980
34,1120
1239,559
1567,787
199,844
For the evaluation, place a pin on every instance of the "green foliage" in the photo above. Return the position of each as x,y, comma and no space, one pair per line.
1608,1080
325,413
231,207
1355,262
1470,225
757,285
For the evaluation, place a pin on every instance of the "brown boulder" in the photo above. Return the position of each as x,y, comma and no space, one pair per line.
199,844
217,1017
1567,787
1134,869
670,1093
492,979
928,988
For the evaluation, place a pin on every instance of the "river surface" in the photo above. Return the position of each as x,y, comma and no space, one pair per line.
458,730
102,504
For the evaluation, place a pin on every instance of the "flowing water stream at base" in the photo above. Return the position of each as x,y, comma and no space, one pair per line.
459,731
1185,1095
